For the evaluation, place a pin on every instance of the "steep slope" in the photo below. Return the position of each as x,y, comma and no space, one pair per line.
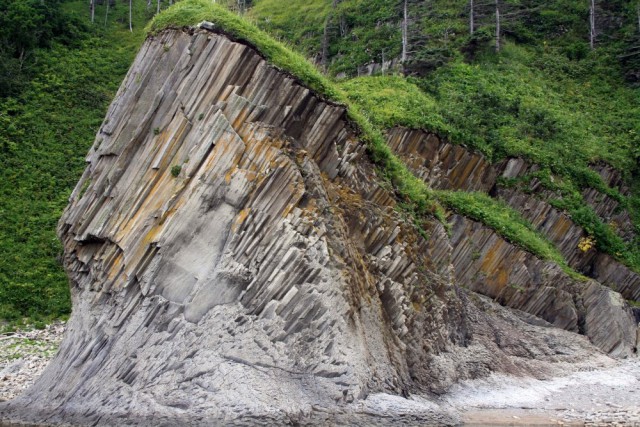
235,257
546,96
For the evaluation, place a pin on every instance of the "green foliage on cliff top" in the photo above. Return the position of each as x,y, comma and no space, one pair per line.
526,104
417,197
521,106
508,223
192,12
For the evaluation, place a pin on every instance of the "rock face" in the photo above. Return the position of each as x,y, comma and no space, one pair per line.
453,167
234,258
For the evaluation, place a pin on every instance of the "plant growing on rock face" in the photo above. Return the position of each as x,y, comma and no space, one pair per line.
586,243
175,170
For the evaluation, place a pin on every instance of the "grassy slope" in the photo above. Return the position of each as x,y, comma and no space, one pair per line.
418,199
48,129
547,98
547,108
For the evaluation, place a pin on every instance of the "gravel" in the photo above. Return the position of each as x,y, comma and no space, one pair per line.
603,393
23,356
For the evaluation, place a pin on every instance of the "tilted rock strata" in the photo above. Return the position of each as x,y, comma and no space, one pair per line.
611,177
452,167
491,266
233,258
561,230
441,165
610,212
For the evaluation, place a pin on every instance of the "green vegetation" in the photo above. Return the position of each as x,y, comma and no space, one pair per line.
516,106
545,97
506,222
371,27
526,104
175,170
395,101
307,29
27,25
192,12
46,128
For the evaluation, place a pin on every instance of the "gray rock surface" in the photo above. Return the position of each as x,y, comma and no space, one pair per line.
453,167
602,394
234,259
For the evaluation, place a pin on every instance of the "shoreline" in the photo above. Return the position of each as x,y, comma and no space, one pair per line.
24,354
604,392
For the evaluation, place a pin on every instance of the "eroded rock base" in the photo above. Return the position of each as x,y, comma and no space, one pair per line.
235,259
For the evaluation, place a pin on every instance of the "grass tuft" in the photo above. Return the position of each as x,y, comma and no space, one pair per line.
371,106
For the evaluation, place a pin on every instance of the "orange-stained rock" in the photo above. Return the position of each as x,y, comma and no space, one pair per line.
452,167
235,259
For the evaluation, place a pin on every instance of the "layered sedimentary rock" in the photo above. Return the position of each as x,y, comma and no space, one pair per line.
452,167
234,258
561,230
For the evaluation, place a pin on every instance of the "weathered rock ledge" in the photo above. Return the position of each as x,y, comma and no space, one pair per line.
453,167
234,259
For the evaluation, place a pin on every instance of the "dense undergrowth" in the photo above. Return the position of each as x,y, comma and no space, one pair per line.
554,103
545,97
46,129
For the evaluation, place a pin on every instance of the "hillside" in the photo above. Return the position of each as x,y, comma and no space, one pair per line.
49,114
545,97
254,241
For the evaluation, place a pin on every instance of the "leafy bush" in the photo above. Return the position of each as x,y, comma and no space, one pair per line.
46,129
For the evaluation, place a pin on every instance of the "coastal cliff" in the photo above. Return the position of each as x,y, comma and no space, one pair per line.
234,256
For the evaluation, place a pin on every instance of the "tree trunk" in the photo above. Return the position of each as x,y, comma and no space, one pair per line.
592,24
148,4
325,36
158,9
405,36
497,26
106,14
130,16
92,9
325,44
638,11
343,26
471,25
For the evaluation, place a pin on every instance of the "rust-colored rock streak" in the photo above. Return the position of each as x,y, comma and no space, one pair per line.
233,259
453,167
